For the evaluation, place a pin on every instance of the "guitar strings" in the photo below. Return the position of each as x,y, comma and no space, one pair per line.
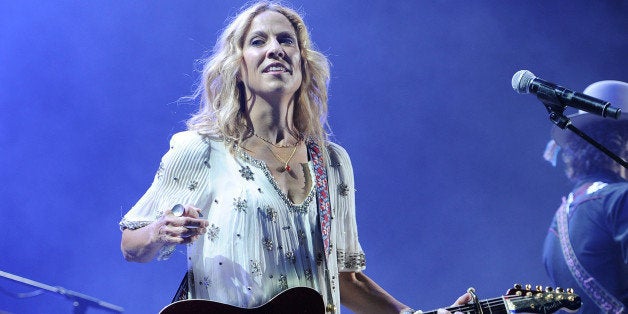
488,303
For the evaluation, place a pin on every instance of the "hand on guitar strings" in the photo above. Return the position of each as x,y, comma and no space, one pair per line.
462,300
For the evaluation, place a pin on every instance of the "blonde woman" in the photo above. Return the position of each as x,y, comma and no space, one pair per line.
269,200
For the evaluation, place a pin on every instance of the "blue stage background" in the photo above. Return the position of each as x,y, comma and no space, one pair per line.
452,190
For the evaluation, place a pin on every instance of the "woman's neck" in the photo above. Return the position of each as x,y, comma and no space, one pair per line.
273,121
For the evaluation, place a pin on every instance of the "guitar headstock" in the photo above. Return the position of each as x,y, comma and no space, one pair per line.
538,300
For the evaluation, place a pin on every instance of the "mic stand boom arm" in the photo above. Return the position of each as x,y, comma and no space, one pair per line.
556,115
80,301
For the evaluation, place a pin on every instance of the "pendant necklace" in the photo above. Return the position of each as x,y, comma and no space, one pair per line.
286,167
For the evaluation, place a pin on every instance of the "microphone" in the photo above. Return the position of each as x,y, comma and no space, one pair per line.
525,82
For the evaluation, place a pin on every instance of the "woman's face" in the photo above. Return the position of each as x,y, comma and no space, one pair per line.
271,57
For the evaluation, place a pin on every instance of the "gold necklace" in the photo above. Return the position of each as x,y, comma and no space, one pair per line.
276,145
286,167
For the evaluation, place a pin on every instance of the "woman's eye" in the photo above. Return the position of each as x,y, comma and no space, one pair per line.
287,41
257,42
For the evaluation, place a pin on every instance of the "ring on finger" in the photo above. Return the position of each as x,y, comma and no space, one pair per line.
178,210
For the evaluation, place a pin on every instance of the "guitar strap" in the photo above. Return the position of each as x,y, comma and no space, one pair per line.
182,291
602,298
322,193
324,212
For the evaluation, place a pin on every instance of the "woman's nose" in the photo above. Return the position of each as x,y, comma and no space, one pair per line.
276,50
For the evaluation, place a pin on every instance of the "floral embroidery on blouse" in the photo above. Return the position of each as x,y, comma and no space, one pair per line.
256,268
246,173
206,282
269,213
239,204
212,232
268,243
343,189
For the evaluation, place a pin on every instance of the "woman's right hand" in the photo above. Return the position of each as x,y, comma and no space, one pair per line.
143,244
179,227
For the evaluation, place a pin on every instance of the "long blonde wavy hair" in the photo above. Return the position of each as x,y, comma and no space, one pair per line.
222,98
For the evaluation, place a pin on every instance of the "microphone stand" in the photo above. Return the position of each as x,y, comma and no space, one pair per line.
556,115
80,301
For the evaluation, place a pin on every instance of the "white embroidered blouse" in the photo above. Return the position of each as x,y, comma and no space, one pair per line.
258,242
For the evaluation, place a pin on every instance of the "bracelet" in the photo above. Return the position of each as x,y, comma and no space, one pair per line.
410,311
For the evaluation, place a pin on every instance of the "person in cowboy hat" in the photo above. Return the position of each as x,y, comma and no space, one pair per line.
586,247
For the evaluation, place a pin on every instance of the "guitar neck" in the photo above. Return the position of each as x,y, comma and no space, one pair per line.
493,306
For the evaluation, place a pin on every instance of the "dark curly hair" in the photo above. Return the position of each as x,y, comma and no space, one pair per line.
583,159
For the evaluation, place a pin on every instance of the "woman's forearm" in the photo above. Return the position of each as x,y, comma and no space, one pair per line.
140,245
362,295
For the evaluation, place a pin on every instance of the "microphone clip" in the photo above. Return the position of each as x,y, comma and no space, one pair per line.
557,116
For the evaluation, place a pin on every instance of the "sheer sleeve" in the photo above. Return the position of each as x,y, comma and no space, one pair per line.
342,191
182,175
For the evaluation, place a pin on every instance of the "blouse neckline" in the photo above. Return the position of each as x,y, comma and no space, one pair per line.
260,164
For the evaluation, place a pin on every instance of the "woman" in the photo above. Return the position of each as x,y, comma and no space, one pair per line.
270,201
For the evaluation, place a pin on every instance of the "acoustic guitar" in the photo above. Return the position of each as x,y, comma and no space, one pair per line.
308,301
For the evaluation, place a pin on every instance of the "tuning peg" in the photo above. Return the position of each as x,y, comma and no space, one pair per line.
518,286
569,290
559,289
539,288
528,287
549,289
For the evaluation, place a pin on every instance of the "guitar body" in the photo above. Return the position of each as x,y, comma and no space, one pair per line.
299,300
